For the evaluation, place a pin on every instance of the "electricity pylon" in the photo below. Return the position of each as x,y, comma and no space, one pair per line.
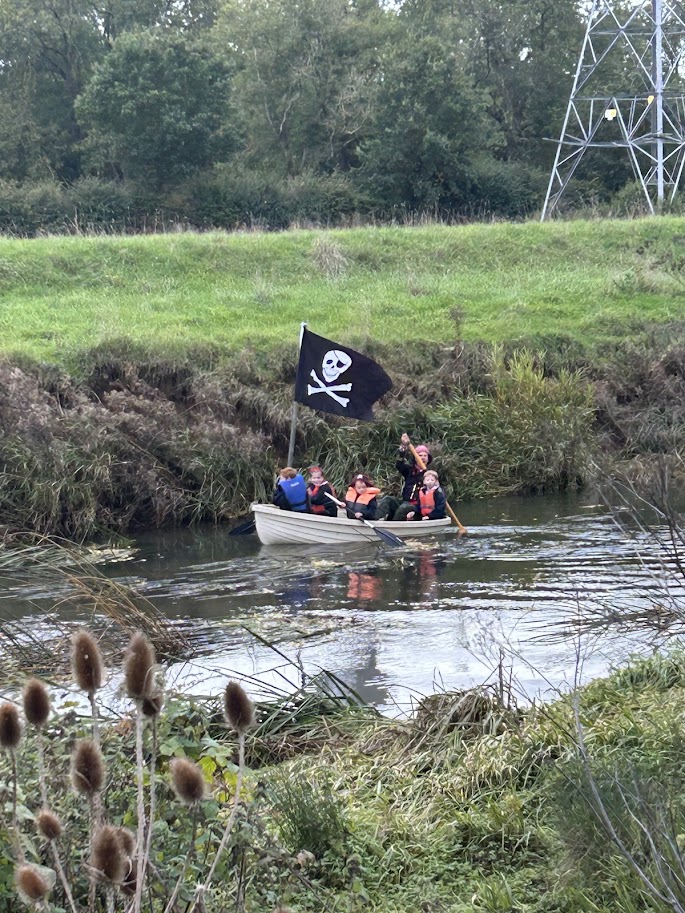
628,93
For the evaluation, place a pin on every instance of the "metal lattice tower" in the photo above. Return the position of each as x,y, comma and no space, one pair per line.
628,93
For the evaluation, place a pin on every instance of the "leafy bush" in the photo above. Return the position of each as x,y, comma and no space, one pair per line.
30,209
509,189
102,205
529,433
229,196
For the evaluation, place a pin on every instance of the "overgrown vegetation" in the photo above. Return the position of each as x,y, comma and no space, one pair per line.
473,804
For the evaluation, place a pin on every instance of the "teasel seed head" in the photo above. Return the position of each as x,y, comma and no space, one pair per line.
86,662
139,668
87,768
36,702
238,708
152,704
10,726
127,839
187,781
109,860
49,825
31,883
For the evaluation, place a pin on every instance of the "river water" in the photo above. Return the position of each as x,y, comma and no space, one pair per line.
396,624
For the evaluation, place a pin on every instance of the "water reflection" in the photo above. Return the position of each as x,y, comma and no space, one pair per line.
392,622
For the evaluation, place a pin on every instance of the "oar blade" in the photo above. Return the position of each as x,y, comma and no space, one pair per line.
388,537
243,529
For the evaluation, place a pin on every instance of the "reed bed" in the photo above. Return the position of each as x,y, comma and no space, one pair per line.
67,576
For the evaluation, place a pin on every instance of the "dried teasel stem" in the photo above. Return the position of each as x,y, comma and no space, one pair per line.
50,827
239,712
10,736
140,839
139,678
61,874
201,890
18,848
153,791
37,710
87,777
190,855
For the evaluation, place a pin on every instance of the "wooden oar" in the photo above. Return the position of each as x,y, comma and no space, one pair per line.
419,462
243,529
387,537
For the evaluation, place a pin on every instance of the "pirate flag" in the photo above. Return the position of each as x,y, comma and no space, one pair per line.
333,378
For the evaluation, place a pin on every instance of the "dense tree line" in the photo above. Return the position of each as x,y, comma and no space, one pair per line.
118,113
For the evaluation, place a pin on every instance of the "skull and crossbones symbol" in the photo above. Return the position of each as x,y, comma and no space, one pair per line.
333,365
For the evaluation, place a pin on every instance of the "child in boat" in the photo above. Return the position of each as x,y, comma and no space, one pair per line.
291,490
432,499
317,490
391,508
360,499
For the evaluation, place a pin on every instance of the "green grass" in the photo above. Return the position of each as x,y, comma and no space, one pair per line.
170,294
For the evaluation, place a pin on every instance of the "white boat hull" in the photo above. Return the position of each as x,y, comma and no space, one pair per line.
287,527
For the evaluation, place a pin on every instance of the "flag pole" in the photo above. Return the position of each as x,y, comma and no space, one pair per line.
293,418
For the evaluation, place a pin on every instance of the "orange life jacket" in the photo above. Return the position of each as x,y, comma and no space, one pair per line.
313,491
427,501
353,497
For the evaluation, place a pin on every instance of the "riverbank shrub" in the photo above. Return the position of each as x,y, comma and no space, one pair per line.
141,442
529,433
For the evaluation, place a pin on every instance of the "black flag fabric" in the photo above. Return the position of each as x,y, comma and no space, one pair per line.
333,378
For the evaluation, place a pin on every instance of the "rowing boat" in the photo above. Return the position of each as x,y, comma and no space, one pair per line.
280,527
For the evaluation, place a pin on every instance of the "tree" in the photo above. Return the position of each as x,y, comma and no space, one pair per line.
157,108
429,125
305,78
47,49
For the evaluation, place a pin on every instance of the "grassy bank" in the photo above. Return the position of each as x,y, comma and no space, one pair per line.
147,381
472,805
169,294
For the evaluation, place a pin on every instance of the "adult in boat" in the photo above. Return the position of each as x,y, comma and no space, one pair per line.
291,490
361,498
390,508
432,499
317,490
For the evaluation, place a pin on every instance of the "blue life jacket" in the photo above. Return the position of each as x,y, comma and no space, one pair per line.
295,491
